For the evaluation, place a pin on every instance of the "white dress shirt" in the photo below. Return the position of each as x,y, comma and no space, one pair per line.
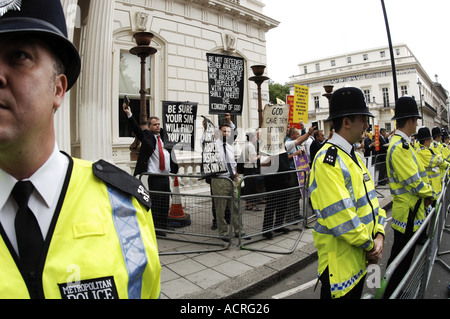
153,162
229,153
47,181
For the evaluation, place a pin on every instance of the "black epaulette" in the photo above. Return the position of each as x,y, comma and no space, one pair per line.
405,144
119,179
330,156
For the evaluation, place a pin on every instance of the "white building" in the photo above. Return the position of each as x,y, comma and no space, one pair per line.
371,71
91,125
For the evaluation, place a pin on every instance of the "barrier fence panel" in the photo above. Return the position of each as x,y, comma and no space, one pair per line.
190,217
415,282
277,210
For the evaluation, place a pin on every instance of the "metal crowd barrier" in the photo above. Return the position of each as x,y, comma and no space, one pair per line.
190,219
415,281
278,207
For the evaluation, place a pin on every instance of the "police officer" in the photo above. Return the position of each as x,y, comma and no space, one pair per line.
436,145
434,163
69,228
349,232
409,185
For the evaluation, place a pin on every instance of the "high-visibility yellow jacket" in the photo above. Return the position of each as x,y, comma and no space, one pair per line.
445,152
436,147
408,182
348,216
101,243
434,165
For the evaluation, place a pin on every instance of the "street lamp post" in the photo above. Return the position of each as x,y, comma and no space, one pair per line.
143,50
420,100
259,78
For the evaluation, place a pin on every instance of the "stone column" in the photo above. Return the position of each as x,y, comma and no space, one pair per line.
96,101
62,117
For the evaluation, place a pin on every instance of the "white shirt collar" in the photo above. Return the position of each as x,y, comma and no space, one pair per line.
54,169
402,134
341,142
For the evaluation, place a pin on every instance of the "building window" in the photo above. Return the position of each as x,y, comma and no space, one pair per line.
383,54
385,97
367,95
305,69
366,57
404,90
397,51
316,102
317,67
130,85
349,59
388,127
333,62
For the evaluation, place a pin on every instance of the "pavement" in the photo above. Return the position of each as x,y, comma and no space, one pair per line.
229,271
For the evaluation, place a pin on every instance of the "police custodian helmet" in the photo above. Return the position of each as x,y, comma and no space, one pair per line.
423,134
348,101
406,107
43,19
436,131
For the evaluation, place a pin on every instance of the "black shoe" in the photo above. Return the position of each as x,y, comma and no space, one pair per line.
268,235
282,230
160,233
225,239
243,236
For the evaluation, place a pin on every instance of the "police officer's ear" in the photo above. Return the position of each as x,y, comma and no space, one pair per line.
346,122
60,88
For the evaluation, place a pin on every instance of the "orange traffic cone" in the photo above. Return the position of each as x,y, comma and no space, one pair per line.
176,209
177,217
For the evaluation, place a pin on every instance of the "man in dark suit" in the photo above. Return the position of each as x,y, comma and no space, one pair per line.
381,158
156,160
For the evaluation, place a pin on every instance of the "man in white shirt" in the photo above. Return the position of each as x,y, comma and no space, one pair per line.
223,187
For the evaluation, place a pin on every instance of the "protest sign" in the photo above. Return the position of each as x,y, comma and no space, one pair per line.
301,102
377,138
212,162
290,102
302,163
179,124
275,121
225,84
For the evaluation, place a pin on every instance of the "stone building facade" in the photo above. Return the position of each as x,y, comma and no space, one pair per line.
91,124
371,71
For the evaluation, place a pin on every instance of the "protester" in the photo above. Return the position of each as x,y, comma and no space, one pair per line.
277,199
316,145
222,187
409,185
64,242
381,157
250,158
155,159
349,232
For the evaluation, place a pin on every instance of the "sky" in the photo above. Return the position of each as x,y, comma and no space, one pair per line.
316,29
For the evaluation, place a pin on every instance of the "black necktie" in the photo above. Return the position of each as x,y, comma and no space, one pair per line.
28,232
352,153
230,169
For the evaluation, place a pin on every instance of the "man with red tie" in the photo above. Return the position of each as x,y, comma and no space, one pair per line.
154,159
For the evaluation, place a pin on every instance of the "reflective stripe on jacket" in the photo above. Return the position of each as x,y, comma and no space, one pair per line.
101,244
434,165
408,182
348,218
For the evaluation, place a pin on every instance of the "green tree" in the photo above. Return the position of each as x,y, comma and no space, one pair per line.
277,90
